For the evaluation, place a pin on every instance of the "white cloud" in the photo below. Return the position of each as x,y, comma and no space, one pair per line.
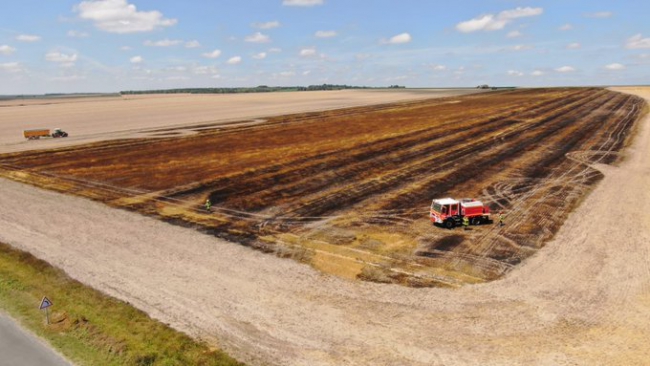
302,2
287,73
192,44
439,67
275,50
520,12
362,56
260,56
399,39
599,15
204,70
306,72
125,48
515,73
566,27
485,22
77,34
163,43
28,38
565,69
213,54
537,73
637,42
573,46
325,34
491,22
7,50
267,25
235,60
61,58
136,59
11,67
176,68
308,52
615,66
521,47
258,37
118,16
514,34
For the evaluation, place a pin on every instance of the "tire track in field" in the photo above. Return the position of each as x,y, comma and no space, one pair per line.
521,207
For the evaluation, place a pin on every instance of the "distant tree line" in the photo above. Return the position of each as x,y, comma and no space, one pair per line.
56,95
257,89
330,87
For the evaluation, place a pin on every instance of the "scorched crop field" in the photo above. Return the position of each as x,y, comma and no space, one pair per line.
348,190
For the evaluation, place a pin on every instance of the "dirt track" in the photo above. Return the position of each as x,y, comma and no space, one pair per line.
583,299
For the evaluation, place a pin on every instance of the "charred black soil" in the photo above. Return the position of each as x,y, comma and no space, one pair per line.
369,170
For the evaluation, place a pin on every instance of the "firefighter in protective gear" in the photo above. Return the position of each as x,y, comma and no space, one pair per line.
208,204
501,223
465,223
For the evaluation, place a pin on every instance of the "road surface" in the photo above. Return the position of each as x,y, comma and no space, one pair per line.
19,348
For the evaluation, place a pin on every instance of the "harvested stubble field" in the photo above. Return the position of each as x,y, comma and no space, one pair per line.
348,190
90,119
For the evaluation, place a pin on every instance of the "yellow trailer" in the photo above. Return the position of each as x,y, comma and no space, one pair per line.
36,134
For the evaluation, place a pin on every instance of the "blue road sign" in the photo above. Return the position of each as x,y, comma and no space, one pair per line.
45,303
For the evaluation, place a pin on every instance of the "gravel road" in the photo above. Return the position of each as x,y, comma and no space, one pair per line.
18,347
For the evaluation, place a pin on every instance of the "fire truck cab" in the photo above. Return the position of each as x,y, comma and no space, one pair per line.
449,212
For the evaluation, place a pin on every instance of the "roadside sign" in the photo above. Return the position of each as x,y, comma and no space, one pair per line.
45,303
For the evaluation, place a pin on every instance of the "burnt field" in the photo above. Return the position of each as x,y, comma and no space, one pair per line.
348,190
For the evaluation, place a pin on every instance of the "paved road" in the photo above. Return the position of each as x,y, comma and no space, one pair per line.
19,348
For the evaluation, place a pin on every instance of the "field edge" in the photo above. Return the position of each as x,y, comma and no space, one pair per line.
87,326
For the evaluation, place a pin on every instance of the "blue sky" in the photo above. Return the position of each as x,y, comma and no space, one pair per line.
113,45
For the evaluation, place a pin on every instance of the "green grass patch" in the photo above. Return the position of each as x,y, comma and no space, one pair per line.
89,327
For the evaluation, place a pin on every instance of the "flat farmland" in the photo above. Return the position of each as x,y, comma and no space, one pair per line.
92,119
348,190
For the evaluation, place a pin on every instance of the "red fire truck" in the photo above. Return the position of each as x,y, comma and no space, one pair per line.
449,212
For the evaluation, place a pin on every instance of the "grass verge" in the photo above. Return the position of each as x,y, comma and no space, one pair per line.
88,327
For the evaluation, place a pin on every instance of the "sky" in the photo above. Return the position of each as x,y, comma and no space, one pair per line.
68,46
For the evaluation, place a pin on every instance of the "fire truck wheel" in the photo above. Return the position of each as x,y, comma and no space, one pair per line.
477,221
449,224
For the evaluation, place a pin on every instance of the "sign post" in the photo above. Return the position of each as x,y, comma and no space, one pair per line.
45,304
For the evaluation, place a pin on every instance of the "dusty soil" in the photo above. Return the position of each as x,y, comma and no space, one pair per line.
93,119
347,190
583,299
